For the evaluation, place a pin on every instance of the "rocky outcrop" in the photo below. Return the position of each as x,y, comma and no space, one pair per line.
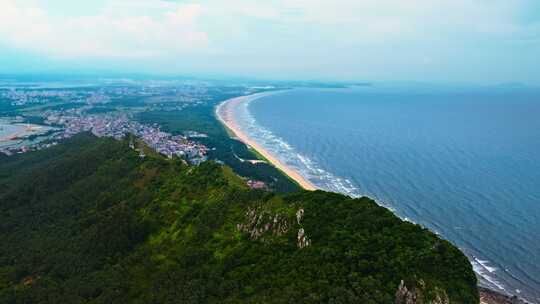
417,295
302,239
488,296
406,296
299,215
260,223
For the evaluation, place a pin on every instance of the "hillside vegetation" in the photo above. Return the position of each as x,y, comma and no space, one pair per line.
89,221
224,148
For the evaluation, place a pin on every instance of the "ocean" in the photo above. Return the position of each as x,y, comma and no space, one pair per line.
463,161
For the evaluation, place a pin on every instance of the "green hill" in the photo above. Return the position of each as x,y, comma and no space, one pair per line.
89,221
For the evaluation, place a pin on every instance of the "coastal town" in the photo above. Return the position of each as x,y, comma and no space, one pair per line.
40,116
64,113
116,126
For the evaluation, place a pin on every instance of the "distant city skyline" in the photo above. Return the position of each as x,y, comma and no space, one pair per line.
474,41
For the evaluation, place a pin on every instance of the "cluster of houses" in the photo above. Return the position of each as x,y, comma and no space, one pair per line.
119,125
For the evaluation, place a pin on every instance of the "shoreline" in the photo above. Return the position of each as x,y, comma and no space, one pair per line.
489,296
225,114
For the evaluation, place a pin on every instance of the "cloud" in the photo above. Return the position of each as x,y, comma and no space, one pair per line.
381,39
154,28
378,21
111,34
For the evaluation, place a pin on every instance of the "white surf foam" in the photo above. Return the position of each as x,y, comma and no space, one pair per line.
305,166
486,273
325,180
288,155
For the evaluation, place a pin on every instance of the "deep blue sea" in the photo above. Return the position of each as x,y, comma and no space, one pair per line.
462,161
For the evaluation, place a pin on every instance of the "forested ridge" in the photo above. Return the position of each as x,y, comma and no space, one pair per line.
89,221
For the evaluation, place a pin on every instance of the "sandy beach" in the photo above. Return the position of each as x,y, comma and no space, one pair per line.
225,114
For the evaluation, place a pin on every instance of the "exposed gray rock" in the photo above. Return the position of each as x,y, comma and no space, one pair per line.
488,296
406,296
302,239
299,215
260,222
417,294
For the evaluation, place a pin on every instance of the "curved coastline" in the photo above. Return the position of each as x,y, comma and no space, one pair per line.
225,114
490,293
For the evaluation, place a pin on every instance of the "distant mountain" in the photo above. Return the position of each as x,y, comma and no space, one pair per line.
90,221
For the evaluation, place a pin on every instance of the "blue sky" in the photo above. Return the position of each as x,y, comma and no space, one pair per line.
482,41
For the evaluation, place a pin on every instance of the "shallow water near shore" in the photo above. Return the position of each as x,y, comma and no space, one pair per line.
462,161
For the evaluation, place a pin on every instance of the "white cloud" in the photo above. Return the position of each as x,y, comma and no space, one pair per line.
380,20
334,38
112,33
148,28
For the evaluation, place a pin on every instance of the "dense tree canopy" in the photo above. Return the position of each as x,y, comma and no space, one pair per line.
89,221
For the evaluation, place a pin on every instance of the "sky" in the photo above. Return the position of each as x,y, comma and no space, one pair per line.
479,41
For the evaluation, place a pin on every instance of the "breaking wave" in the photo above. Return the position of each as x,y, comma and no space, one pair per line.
450,211
283,151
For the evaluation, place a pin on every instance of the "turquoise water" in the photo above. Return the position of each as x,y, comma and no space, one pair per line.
463,161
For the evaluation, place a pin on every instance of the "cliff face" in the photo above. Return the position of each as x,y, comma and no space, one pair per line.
90,221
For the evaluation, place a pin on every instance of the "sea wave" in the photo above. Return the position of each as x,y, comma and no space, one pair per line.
283,151
486,273
331,182
441,194
302,164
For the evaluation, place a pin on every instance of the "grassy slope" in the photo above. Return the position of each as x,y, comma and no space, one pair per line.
90,222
